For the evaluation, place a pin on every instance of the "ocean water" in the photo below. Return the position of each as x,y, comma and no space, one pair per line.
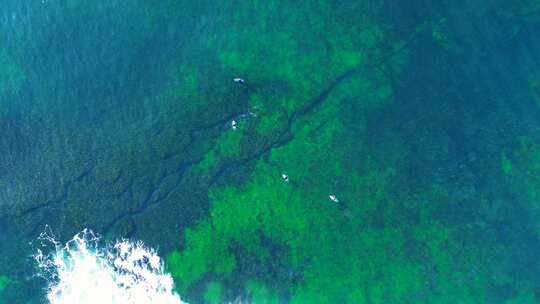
334,151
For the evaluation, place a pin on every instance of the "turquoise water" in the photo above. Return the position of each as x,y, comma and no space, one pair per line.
409,133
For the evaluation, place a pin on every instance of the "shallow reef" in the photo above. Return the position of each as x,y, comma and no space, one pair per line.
278,151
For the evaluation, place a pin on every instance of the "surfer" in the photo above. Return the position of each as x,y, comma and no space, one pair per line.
285,177
238,80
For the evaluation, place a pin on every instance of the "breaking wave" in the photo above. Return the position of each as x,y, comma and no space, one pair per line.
121,273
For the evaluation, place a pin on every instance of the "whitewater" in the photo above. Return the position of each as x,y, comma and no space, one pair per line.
124,272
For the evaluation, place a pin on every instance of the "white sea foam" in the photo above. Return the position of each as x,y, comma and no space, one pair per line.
82,272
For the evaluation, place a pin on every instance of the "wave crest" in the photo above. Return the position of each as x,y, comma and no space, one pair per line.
122,273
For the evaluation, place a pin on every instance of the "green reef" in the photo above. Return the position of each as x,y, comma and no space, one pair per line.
4,282
276,241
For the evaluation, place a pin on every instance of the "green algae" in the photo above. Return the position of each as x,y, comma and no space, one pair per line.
204,253
296,76
296,71
209,161
439,33
227,146
213,293
268,210
322,245
506,164
5,281
293,230
259,293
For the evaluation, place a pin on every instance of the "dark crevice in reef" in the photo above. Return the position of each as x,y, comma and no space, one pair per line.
193,133
60,200
153,198
286,135
51,203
